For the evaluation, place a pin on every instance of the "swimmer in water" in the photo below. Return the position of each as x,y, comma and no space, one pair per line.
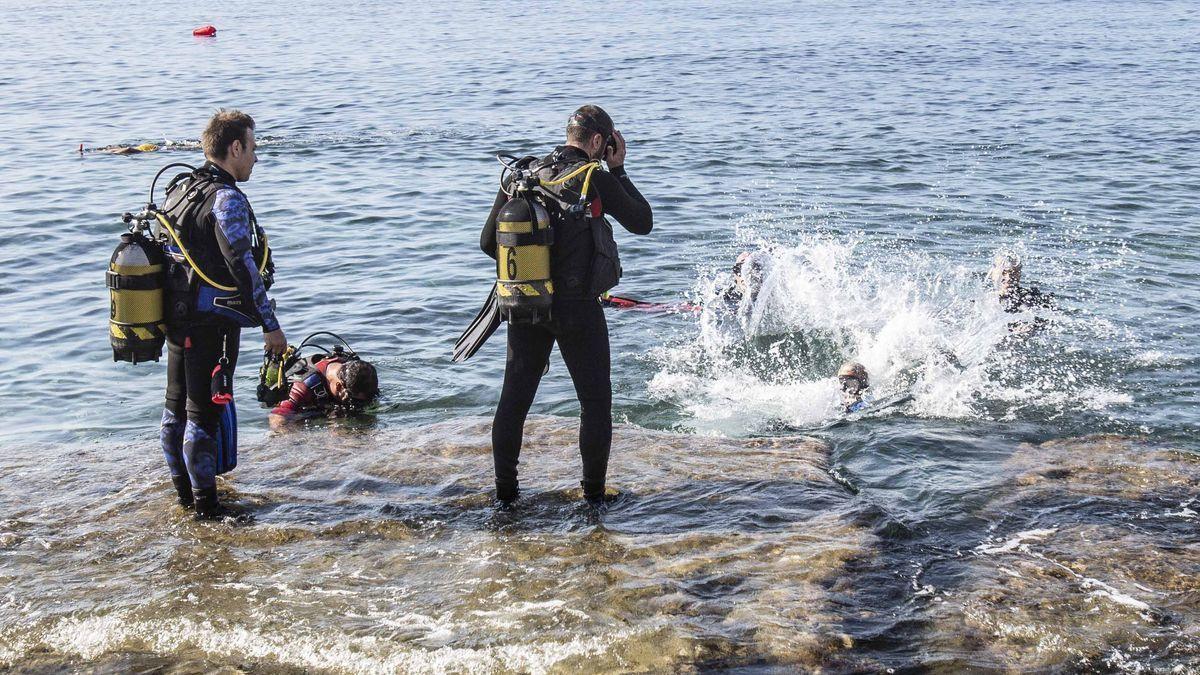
1005,275
124,149
747,278
854,381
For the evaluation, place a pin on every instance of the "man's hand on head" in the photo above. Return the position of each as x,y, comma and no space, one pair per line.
615,157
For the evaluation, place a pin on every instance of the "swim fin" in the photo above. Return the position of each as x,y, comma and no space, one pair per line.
485,323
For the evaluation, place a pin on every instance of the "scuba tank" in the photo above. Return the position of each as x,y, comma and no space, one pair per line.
524,291
135,279
153,279
524,235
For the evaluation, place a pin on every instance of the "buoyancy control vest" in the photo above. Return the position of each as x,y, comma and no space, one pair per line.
199,286
583,260
277,373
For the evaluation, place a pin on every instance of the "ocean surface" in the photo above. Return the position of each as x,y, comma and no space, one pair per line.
1034,507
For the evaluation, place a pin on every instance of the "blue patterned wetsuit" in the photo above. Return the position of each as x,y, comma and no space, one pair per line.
237,236
195,431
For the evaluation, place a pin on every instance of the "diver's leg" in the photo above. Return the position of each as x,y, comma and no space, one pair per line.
528,350
583,342
201,354
174,417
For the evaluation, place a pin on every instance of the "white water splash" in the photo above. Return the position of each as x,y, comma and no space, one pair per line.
922,325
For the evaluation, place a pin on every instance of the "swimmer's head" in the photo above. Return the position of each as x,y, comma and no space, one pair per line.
748,270
354,382
1006,272
853,380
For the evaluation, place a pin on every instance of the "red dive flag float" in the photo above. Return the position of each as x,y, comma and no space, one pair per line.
205,31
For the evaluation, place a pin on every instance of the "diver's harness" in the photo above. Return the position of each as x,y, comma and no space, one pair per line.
525,228
278,370
153,277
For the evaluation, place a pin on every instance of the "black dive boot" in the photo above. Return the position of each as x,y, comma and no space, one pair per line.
507,491
593,493
207,506
183,486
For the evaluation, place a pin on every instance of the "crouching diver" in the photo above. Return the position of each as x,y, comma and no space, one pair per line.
328,382
218,273
559,302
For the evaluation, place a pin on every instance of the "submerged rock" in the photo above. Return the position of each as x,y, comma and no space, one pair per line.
1094,563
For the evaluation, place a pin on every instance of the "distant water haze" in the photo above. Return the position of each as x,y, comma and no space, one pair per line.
1033,506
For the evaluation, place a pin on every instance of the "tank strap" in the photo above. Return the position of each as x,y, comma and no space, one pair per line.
133,282
543,237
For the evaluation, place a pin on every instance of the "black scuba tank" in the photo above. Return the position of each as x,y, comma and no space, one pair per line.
135,281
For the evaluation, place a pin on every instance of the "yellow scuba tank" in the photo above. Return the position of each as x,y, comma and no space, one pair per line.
524,290
135,280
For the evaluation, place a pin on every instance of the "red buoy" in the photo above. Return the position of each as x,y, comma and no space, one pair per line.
205,31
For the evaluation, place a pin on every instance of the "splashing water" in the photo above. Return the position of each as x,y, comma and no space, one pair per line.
924,326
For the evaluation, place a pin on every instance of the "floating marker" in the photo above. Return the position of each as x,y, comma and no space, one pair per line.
205,31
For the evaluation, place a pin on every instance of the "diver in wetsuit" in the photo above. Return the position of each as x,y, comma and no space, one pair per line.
1005,275
326,383
580,275
226,244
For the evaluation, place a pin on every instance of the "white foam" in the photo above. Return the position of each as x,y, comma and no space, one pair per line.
90,637
1017,543
1103,590
923,325
1097,589
1154,357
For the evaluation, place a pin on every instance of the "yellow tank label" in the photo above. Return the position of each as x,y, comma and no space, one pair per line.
515,227
132,307
523,263
135,270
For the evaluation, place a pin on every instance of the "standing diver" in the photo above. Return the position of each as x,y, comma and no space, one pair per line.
222,244
583,265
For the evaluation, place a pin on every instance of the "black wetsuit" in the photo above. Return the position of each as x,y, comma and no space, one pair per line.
579,328
223,238
1022,299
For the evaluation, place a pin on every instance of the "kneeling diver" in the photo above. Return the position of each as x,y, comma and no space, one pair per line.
330,381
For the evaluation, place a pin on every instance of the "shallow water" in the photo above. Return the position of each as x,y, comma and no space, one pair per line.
1033,507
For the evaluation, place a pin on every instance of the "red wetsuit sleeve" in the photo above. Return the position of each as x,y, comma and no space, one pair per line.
297,398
